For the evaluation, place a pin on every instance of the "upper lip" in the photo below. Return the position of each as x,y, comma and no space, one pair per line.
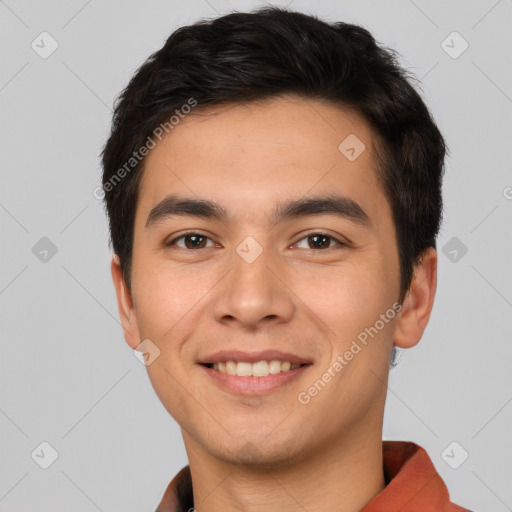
252,357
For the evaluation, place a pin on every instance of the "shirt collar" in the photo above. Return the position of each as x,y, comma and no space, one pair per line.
412,484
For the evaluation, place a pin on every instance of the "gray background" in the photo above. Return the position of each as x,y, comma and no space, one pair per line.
67,376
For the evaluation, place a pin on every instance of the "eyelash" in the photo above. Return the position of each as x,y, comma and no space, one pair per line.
184,235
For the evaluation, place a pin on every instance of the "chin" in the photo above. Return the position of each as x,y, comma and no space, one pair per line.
258,452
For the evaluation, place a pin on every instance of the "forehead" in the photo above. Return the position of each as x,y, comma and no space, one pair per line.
253,155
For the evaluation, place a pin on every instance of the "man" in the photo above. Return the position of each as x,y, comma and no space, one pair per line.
273,186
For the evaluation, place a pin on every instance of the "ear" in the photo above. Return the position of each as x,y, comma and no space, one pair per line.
418,302
125,305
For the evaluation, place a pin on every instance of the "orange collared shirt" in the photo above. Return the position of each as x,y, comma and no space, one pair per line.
412,484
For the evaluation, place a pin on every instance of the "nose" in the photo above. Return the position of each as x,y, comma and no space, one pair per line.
254,294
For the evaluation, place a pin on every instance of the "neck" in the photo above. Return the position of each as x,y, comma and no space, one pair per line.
341,476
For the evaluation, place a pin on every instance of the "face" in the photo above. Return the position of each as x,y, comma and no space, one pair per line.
253,280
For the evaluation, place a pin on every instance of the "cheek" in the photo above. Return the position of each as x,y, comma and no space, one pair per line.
347,303
344,296
165,296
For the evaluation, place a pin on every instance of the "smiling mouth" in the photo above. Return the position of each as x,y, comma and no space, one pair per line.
258,369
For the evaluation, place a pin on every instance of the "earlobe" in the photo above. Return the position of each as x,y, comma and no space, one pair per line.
125,305
418,303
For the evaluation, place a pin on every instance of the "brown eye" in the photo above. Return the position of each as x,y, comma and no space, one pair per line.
191,241
320,241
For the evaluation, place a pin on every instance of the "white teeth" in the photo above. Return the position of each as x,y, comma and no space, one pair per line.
275,366
231,368
244,369
259,369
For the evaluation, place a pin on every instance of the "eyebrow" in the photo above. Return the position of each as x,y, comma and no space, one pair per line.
341,206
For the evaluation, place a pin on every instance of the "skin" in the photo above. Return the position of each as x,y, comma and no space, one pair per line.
247,453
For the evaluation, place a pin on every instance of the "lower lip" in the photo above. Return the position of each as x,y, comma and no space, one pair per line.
254,385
